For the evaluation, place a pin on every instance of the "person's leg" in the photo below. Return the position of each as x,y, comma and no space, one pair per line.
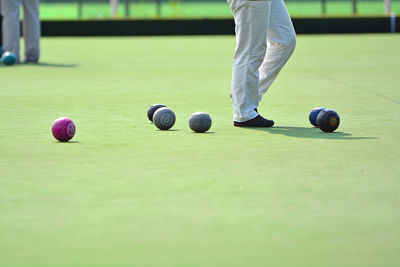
11,30
31,30
1,23
251,19
281,43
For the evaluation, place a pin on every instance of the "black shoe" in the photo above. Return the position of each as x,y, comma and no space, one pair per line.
258,121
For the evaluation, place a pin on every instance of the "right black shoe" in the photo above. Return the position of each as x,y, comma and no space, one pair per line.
258,121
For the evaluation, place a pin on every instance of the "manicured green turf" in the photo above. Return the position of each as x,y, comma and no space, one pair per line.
125,194
205,9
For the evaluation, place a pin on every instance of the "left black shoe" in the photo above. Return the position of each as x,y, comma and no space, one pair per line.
258,121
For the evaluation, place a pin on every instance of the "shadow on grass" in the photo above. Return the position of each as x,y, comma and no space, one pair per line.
304,132
203,133
69,142
55,65
41,64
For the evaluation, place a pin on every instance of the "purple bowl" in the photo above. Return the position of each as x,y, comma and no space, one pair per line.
63,129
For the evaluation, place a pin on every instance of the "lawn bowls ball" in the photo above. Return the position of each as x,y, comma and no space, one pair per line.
200,122
8,58
63,129
152,109
313,115
164,118
328,120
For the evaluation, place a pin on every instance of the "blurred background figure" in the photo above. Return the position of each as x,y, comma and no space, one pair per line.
1,36
114,8
31,28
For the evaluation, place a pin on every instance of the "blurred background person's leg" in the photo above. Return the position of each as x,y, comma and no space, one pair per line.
1,23
11,29
31,30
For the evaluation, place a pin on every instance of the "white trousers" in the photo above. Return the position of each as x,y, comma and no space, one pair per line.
265,39
31,27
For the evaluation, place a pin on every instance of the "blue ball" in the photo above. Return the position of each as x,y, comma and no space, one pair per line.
313,115
8,58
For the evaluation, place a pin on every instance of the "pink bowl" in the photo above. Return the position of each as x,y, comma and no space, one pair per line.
63,129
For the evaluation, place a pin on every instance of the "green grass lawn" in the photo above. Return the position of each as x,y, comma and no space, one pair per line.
126,194
206,9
